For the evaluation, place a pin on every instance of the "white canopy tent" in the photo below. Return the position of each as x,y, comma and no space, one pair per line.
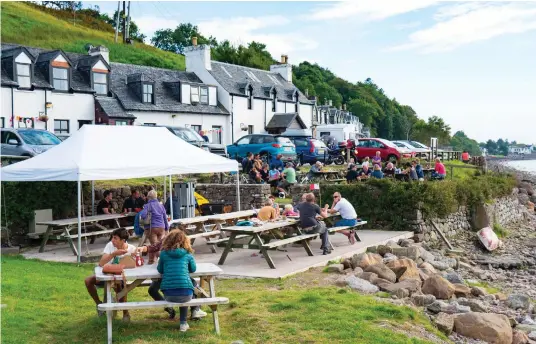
101,152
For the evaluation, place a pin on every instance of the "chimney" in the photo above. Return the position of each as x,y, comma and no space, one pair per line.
284,69
344,107
194,41
330,102
197,57
307,92
99,50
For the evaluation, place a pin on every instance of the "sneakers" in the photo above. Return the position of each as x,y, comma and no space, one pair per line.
100,313
198,313
171,312
126,318
184,327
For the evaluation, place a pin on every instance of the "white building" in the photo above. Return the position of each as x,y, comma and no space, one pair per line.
252,96
520,149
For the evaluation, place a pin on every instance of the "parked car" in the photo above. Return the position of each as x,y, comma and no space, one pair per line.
264,144
423,146
27,142
192,137
369,147
309,150
419,152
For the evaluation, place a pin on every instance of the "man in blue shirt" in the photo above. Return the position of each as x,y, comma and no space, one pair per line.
277,163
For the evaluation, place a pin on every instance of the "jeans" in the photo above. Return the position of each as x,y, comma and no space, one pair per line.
436,175
154,291
323,236
346,222
155,235
183,310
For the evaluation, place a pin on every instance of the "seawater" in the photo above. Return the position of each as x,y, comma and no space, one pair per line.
523,165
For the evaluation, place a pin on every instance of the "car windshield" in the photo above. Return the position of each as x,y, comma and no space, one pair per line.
318,144
399,144
188,135
39,138
284,140
418,144
389,143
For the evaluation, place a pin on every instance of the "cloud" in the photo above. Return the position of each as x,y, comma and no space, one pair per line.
368,9
463,24
242,30
409,25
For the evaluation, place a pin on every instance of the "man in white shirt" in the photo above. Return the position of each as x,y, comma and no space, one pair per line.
348,214
116,249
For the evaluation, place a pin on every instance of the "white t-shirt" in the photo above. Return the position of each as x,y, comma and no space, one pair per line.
110,248
346,209
365,163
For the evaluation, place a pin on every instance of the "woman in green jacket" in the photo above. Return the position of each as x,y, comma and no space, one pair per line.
175,264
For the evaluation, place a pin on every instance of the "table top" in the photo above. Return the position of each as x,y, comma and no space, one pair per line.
216,217
149,271
258,229
95,218
326,172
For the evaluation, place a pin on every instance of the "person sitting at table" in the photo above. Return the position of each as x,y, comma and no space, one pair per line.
114,250
418,169
364,173
154,288
377,173
309,214
289,174
316,168
440,170
257,162
158,227
133,203
265,173
274,177
105,205
348,214
377,159
350,164
255,176
176,263
389,170
289,210
276,163
366,162
352,174
268,212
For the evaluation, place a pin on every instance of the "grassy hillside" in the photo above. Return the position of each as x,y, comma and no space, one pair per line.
24,24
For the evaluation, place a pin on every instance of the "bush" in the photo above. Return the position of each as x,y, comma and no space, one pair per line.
392,202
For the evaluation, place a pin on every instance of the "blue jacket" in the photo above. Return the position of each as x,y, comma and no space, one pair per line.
158,214
276,164
175,267
420,172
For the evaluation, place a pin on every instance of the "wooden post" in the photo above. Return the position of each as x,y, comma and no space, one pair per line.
451,172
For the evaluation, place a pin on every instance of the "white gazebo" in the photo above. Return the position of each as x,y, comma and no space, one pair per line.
97,152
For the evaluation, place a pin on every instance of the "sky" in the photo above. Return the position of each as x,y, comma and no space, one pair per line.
473,63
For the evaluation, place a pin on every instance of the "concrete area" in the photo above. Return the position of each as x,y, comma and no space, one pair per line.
242,262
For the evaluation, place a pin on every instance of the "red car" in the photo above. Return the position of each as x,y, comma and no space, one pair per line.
369,147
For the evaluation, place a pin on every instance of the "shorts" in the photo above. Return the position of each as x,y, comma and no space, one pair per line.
346,222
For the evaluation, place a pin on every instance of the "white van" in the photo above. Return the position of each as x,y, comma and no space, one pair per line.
341,132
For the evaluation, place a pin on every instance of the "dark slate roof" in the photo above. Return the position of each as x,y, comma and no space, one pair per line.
283,120
113,108
167,88
261,88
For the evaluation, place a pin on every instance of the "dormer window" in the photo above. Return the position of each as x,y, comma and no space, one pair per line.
295,98
204,95
60,79
249,94
147,93
23,75
194,95
274,101
100,83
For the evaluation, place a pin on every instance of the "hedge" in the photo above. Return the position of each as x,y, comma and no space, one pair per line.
387,201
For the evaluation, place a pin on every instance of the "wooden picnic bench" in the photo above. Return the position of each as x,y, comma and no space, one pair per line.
205,271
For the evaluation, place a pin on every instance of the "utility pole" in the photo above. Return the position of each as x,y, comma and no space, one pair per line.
128,23
117,21
124,23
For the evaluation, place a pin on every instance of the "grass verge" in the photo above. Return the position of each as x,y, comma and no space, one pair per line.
486,286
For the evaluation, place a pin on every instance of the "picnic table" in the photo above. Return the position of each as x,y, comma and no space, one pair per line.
63,228
205,271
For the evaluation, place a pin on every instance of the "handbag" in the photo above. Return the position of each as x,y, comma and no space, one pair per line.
147,220
115,269
128,262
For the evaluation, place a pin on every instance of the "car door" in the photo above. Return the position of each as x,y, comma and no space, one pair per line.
10,149
302,148
257,144
239,148
364,148
377,146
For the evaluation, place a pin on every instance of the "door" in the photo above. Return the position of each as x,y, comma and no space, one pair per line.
376,146
240,148
364,149
216,134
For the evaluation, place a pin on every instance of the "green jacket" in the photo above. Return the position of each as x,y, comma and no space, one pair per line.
175,267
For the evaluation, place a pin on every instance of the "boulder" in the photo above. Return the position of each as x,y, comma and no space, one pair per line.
411,285
368,276
382,271
461,290
439,287
479,216
445,323
523,198
532,335
454,277
478,291
428,266
409,252
450,308
519,337
383,249
423,300
363,260
357,271
518,301
439,265
475,305
424,275
338,268
347,262
526,186
500,297
425,255
488,327
389,257
411,271
526,328
361,285
401,293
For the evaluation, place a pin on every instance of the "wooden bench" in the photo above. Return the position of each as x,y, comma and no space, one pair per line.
212,302
299,238
224,240
88,234
203,235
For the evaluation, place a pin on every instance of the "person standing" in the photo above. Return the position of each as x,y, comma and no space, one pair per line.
348,214
205,137
247,163
377,159
310,220
158,226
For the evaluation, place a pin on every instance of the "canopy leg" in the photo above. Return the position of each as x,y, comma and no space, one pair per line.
79,221
93,197
171,199
238,189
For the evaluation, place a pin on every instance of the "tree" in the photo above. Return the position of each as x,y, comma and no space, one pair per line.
63,5
460,142
176,40
134,31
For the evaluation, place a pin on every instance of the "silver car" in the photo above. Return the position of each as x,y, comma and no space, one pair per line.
27,142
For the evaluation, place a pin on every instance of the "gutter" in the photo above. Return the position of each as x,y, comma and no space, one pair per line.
12,109
265,114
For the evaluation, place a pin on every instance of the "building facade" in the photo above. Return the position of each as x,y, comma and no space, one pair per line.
520,149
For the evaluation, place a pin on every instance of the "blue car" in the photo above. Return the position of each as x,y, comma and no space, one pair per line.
309,150
266,145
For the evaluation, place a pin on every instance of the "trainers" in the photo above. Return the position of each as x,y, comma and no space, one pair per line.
100,313
171,312
184,327
126,318
198,313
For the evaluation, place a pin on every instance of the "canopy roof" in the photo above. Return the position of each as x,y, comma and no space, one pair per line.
102,152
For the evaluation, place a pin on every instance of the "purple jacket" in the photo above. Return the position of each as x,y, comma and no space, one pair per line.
158,214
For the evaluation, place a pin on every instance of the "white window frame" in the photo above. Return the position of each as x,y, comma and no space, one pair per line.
202,96
66,80
146,96
194,96
22,76
100,83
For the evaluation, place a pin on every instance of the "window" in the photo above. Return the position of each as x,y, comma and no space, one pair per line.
150,124
244,141
100,83
2,122
216,134
274,101
196,128
121,122
249,94
147,93
204,95
23,75
194,95
301,142
268,139
250,129
81,123
61,126
256,140
60,79
7,135
296,102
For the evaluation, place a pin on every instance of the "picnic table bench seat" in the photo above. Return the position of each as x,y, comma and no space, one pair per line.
120,306
224,240
203,235
298,238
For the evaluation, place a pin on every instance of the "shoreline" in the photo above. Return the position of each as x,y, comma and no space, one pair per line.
501,165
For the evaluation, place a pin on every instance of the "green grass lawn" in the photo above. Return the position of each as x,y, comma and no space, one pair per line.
47,303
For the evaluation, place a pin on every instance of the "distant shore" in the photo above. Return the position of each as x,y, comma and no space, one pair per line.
501,165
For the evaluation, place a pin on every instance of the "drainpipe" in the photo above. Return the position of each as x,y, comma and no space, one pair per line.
46,113
232,120
12,109
265,114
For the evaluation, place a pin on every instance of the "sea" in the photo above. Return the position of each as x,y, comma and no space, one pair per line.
523,165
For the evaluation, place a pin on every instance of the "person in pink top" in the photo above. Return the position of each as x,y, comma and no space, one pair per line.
440,171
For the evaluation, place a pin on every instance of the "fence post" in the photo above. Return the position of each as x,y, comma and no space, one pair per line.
451,172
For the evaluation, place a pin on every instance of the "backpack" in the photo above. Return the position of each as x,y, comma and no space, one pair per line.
274,174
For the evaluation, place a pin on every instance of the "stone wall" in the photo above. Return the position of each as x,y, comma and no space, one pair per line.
119,196
250,194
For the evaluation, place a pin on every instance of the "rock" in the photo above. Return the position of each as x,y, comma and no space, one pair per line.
383,249
428,266
437,306
422,300
361,285
532,335
401,293
445,323
479,216
527,320
382,271
357,271
368,276
475,305
411,271
461,290
381,283
488,327
519,337
526,186
341,282
418,237
424,275
523,198
439,287
411,285
518,301
409,252
425,255
363,260
439,265
478,291
526,328
347,262
450,308
453,277
338,268
500,297
389,257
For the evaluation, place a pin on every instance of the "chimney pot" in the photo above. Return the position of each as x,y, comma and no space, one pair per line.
344,107
330,102
284,59
194,41
307,92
